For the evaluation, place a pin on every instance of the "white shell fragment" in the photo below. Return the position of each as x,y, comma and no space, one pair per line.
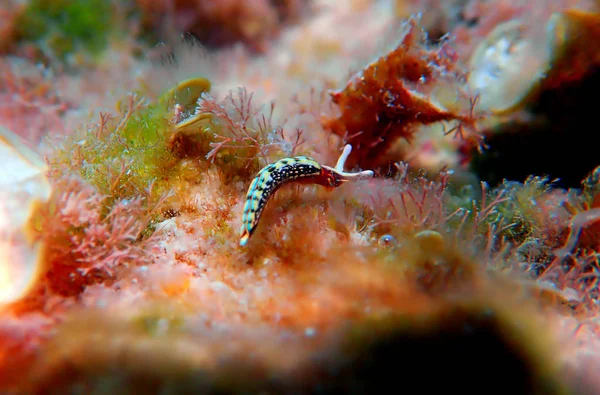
509,66
23,188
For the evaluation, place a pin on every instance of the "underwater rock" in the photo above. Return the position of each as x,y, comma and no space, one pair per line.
508,66
517,60
374,354
367,355
575,37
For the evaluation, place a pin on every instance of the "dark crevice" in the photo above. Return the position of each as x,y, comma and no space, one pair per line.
560,144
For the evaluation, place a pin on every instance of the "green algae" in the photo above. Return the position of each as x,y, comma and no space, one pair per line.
157,324
522,208
68,27
125,161
135,153
591,187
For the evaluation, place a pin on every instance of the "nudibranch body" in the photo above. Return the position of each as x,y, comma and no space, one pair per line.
301,169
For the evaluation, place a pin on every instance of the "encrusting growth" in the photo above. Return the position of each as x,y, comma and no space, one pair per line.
301,169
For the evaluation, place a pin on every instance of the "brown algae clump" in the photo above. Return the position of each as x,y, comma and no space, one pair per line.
391,97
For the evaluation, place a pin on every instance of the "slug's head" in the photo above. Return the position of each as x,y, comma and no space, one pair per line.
331,178
336,176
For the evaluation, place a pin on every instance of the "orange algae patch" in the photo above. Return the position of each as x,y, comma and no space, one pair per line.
229,310
176,288
20,338
173,281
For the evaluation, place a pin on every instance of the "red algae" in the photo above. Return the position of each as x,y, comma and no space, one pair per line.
29,104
